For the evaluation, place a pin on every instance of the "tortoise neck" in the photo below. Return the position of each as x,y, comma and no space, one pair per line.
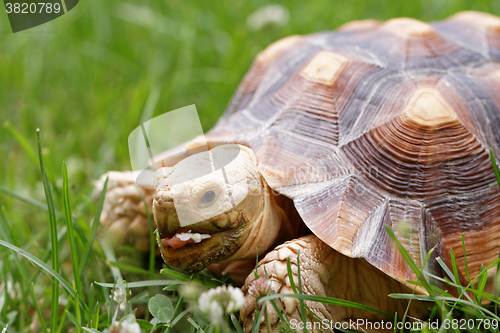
292,226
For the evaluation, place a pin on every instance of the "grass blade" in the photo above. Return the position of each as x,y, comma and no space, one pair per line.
495,167
326,300
72,241
465,258
290,275
301,301
236,323
455,274
90,330
258,318
63,317
23,198
21,140
74,320
280,312
179,317
192,322
152,238
95,224
206,281
129,268
142,284
53,238
4,225
41,265
446,269
23,278
95,320
111,257
482,282
37,308
454,267
497,283
446,299
497,275
410,261
91,304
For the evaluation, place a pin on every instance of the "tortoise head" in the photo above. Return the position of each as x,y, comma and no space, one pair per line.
208,214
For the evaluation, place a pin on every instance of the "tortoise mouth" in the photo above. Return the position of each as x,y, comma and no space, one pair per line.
180,240
201,228
191,256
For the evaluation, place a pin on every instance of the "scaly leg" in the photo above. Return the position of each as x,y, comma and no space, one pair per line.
326,272
124,214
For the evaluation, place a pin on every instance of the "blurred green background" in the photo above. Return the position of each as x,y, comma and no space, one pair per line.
85,79
89,77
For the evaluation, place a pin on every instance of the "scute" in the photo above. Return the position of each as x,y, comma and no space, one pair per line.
428,108
382,124
409,27
276,48
324,68
476,31
359,25
488,21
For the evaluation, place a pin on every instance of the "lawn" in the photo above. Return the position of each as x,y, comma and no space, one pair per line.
86,80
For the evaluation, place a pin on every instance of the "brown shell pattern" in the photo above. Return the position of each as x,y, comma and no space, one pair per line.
382,124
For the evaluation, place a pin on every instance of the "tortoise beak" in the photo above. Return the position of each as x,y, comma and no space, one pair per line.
165,214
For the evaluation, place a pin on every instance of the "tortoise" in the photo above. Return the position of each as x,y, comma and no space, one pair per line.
339,134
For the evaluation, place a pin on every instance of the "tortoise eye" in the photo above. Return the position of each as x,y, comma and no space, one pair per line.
208,197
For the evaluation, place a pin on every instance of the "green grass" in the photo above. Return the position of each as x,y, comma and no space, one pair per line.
86,80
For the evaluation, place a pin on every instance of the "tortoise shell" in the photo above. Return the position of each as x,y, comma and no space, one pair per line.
382,124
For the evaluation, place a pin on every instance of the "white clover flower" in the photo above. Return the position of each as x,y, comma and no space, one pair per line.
124,327
215,311
260,287
221,300
273,14
123,306
119,295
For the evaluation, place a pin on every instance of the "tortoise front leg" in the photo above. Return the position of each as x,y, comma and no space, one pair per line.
325,272
123,214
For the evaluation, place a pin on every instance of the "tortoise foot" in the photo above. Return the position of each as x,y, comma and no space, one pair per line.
273,275
124,213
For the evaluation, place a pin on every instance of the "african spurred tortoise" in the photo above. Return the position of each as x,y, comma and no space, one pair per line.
340,134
